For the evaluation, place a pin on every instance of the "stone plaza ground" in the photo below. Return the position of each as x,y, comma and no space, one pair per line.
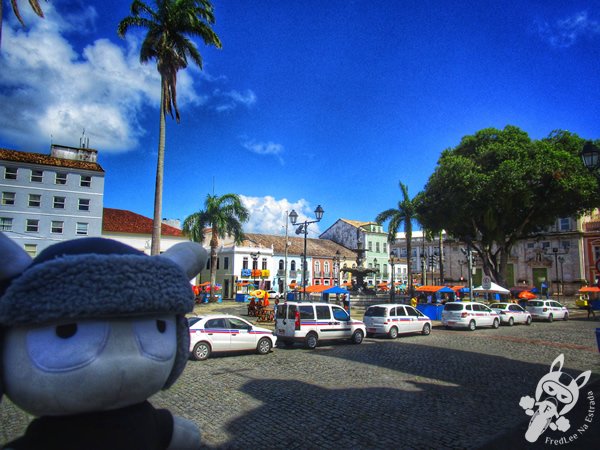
451,389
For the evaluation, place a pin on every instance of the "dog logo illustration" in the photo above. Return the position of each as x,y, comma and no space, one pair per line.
556,394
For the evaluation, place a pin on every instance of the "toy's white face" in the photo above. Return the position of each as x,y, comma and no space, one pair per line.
72,367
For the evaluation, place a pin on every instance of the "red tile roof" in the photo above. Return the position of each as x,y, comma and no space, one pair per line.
314,247
47,160
123,221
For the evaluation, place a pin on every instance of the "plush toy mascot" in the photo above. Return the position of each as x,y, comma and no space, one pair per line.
89,330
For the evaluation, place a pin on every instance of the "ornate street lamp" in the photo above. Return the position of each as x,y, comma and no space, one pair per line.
590,155
303,228
254,256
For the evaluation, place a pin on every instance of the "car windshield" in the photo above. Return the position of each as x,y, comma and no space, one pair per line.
535,303
498,306
193,320
375,311
453,307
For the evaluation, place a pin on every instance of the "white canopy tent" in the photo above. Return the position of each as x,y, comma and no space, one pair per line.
494,289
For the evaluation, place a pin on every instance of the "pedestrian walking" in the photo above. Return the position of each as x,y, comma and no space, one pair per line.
590,310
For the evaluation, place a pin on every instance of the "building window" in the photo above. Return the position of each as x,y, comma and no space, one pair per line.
370,246
10,173
326,268
225,262
35,200
6,223
264,264
245,262
57,226
37,176
317,267
84,204
86,181
32,225
564,224
8,198
565,245
59,203
281,264
61,178
82,229
385,247
31,249
531,245
377,247
293,265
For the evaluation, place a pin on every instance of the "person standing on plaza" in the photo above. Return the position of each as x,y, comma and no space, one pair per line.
590,310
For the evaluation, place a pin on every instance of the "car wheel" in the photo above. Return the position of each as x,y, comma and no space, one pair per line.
393,333
528,321
426,329
496,323
357,337
511,322
566,316
201,351
550,318
311,340
264,346
472,325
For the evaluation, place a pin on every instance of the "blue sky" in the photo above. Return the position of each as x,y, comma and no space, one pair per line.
308,102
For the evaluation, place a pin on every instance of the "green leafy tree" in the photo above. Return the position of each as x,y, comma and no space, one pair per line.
405,213
35,6
499,186
169,28
225,216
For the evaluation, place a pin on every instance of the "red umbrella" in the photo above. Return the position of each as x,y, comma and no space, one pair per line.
527,295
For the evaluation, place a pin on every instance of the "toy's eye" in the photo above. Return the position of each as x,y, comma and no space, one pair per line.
563,397
65,347
549,389
156,337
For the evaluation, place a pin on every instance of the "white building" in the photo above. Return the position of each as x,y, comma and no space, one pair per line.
49,198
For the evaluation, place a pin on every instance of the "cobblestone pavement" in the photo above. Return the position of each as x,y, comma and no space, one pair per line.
451,389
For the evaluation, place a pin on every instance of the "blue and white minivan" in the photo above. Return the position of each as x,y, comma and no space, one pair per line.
310,323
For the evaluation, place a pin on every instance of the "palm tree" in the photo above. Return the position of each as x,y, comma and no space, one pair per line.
166,41
404,214
225,216
35,5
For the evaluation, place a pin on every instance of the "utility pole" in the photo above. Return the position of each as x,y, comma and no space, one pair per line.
285,268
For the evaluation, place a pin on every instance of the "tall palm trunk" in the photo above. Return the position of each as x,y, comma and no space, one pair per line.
160,167
214,243
409,263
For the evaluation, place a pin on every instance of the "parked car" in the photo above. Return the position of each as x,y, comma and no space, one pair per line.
511,313
547,310
469,315
392,320
274,294
214,333
312,322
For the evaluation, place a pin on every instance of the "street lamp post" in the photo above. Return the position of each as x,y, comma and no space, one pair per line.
336,267
561,260
304,228
254,256
392,262
556,253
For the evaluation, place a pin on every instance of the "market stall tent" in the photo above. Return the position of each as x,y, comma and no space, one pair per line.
494,289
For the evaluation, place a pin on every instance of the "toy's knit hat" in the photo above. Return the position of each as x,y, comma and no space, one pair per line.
98,278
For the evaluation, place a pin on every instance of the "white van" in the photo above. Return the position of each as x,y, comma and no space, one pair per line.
310,322
469,315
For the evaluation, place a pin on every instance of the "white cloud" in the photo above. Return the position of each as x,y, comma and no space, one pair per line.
55,91
564,33
228,101
264,148
269,215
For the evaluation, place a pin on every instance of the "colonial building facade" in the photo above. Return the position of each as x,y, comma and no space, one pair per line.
49,198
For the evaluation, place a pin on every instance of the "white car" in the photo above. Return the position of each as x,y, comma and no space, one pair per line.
274,294
392,320
547,310
226,333
469,315
511,313
310,323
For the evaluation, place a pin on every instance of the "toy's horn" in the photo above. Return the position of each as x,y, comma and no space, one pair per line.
190,256
13,259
